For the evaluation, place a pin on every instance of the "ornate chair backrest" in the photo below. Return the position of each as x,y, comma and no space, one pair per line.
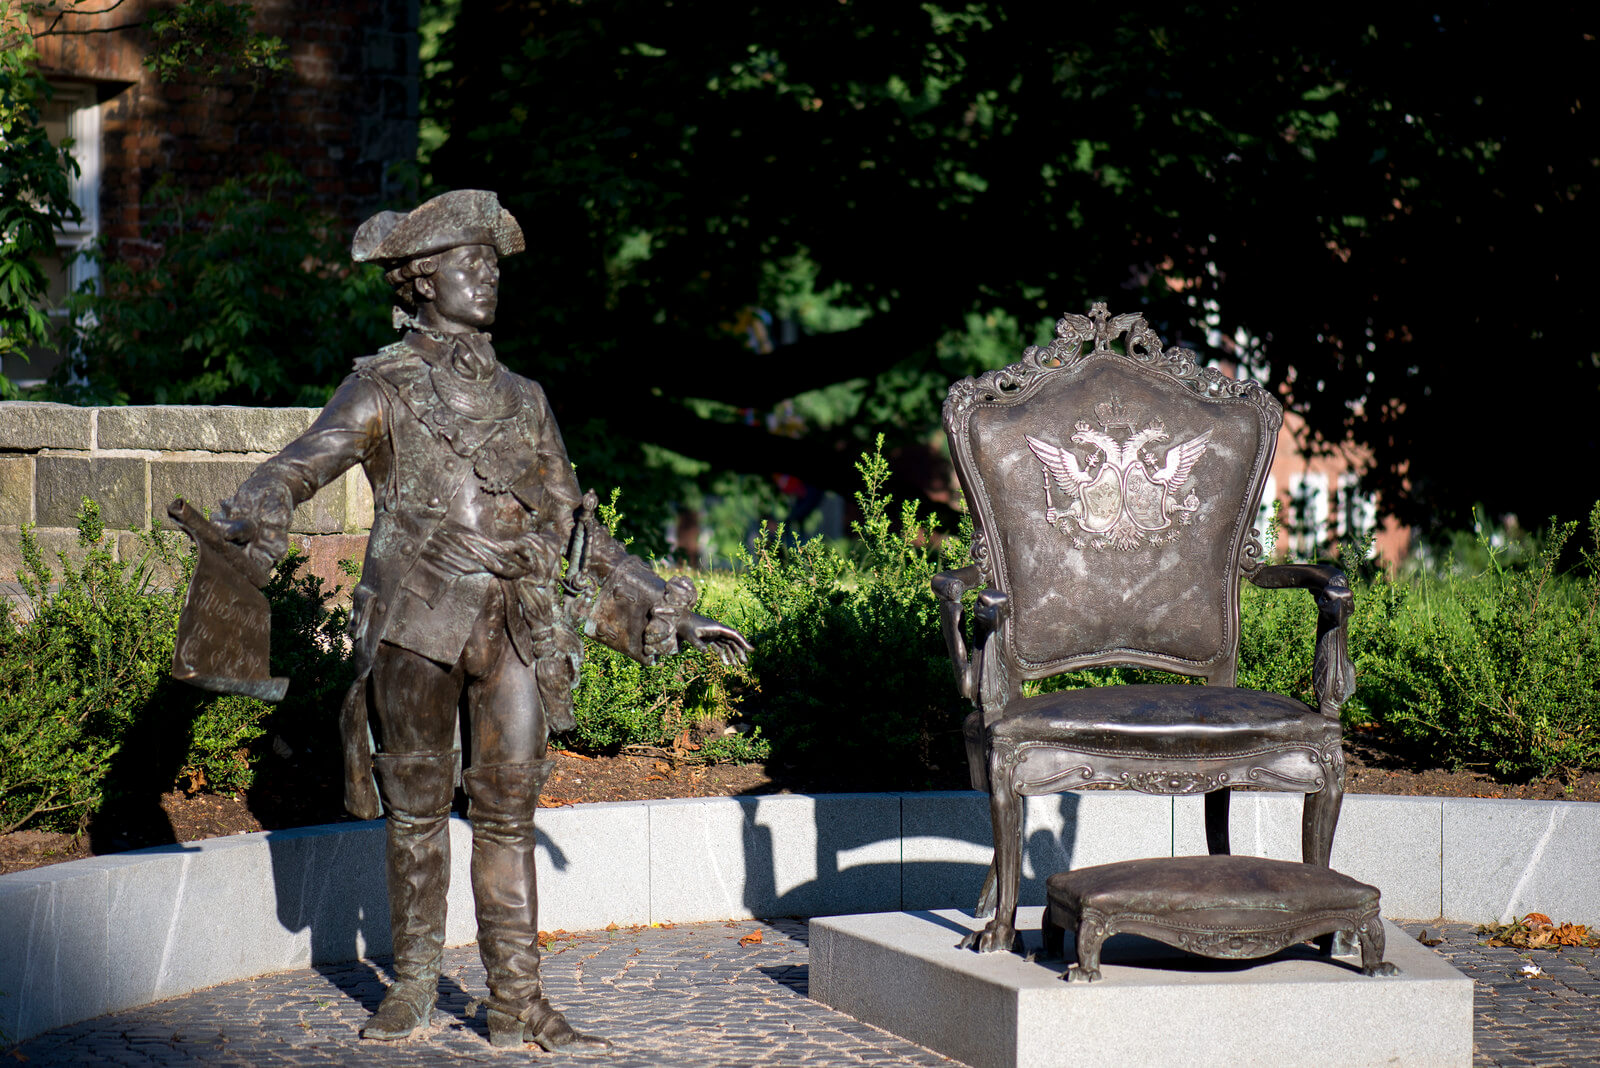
1152,470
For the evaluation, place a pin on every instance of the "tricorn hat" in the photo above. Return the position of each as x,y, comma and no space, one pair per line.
464,217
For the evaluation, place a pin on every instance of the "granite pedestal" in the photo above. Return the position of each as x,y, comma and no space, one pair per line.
1155,1005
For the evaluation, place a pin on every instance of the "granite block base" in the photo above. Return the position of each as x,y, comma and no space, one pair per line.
901,971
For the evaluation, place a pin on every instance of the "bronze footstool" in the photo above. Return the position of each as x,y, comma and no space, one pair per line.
1217,906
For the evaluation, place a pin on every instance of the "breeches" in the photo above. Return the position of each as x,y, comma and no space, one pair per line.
415,703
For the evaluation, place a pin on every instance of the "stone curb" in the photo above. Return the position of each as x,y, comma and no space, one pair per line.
109,933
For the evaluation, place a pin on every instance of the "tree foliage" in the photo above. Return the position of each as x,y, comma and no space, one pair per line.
253,300
1367,204
35,192
211,38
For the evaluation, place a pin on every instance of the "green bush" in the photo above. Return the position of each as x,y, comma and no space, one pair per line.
75,669
855,683
849,681
251,301
87,709
1499,670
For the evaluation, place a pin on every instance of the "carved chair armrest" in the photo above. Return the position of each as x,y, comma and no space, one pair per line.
1333,677
950,587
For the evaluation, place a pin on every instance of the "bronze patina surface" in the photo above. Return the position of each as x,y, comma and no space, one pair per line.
1232,908
483,566
1114,486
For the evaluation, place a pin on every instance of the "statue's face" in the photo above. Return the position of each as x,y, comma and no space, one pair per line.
465,290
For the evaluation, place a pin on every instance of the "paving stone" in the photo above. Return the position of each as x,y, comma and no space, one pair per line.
691,996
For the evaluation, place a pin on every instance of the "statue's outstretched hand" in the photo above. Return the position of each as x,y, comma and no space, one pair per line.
700,632
242,525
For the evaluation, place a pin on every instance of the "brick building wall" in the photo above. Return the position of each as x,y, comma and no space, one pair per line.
344,112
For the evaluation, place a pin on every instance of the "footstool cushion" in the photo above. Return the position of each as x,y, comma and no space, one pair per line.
1217,906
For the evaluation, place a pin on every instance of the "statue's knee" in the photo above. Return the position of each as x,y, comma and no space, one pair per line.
504,793
416,785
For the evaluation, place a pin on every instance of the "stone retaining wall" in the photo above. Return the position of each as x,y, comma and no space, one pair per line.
134,461
109,933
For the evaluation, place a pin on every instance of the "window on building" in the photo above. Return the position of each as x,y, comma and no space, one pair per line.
1308,513
1356,514
71,112
1269,501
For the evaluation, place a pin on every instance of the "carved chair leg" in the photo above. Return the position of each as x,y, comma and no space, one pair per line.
1055,939
1005,817
1321,817
1217,843
986,896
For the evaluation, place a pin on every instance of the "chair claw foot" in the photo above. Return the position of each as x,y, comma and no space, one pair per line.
1079,974
1381,968
997,937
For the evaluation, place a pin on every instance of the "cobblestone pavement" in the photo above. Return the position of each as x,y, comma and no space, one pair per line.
1552,1018
695,996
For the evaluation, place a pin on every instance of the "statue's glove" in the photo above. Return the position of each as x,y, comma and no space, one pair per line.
537,556
700,632
661,629
257,517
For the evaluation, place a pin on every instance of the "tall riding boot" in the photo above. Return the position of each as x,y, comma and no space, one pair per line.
504,797
417,790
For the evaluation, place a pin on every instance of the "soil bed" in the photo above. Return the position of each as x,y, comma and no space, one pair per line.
1373,768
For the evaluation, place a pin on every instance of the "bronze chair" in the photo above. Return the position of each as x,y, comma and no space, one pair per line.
1113,489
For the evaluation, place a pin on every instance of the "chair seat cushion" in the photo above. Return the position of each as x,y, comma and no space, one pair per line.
1219,892
1169,721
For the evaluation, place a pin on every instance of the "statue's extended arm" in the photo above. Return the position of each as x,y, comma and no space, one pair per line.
633,609
257,516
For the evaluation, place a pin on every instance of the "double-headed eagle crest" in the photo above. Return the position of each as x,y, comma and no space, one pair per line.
1122,494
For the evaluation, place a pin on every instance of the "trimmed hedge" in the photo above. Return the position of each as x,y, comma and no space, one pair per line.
849,680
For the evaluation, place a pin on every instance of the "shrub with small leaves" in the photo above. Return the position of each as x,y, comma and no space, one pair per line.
855,682
87,707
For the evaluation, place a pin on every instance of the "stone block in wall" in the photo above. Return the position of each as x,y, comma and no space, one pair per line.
28,426
52,540
135,550
358,501
204,482
115,483
323,553
207,428
16,490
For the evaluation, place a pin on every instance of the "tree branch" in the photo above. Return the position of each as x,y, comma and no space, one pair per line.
53,32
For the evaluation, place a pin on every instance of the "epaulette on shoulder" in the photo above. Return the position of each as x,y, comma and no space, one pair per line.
387,354
398,364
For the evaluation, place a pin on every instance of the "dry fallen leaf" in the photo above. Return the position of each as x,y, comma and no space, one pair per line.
751,939
1538,931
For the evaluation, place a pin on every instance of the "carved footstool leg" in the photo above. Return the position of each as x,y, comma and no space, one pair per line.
1055,939
1090,935
1372,962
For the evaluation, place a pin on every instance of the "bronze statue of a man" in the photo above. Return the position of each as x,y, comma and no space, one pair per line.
483,561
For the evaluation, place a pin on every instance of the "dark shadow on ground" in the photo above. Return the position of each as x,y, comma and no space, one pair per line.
145,767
